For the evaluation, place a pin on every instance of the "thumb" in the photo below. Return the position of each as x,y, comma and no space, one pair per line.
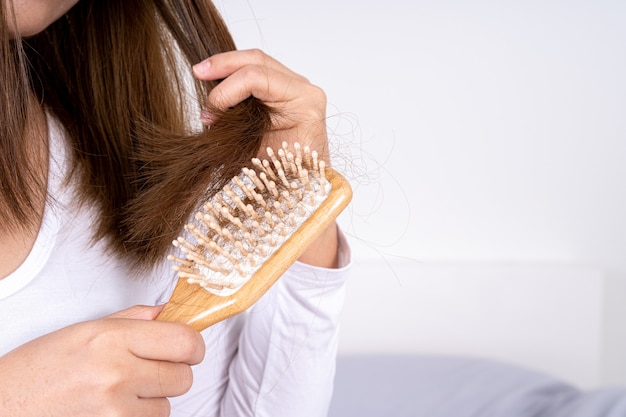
137,312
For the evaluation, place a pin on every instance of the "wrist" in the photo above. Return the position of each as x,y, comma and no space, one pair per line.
323,252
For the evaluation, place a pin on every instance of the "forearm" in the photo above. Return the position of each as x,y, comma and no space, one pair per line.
323,252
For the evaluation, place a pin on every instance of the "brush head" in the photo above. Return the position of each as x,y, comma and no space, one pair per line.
241,226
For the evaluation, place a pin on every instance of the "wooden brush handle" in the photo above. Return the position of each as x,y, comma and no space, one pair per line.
197,307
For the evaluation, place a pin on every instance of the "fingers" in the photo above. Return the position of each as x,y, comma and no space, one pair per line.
152,407
148,339
160,353
300,105
138,312
222,65
156,379
148,359
253,73
172,342
267,84
113,366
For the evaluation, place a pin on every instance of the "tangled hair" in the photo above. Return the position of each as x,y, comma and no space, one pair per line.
115,74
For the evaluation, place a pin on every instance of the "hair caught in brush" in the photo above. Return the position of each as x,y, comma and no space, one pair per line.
110,71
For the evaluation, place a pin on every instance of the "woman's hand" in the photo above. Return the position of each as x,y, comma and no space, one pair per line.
123,365
300,118
301,105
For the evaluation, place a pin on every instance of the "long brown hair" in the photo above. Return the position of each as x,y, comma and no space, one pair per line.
110,71
20,187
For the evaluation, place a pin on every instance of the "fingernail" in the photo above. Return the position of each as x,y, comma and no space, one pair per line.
202,68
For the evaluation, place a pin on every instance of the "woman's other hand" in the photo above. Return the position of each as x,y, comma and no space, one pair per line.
126,364
301,105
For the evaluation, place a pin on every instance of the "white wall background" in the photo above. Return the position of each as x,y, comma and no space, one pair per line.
483,139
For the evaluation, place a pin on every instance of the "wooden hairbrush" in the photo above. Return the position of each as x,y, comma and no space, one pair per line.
248,234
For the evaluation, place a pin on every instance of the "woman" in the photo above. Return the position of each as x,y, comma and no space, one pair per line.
101,165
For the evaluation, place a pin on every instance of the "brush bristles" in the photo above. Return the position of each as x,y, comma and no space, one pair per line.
235,232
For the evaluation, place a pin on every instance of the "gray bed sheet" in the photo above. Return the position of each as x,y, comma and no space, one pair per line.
432,386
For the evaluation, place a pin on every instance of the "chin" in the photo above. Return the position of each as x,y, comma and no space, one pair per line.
40,15
31,31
